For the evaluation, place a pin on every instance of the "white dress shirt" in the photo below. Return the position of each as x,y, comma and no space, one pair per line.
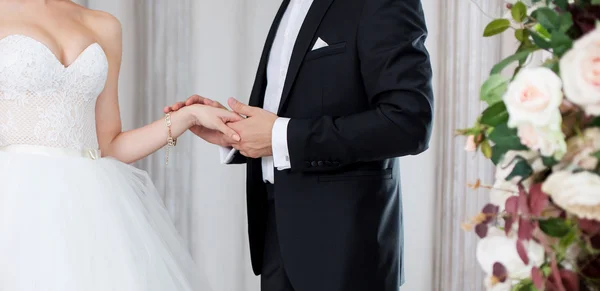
277,68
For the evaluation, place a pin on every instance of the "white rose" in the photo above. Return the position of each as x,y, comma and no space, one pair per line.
550,143
496,247
578,193
580,150
509,161
534,97
580,71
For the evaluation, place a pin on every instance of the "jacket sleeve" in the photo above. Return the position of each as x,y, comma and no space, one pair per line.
397,74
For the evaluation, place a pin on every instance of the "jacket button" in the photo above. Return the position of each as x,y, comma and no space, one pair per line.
314,164
307,164
336,164
320,163
328,163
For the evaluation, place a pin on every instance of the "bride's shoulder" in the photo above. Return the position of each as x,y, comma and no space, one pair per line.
107,30
104,24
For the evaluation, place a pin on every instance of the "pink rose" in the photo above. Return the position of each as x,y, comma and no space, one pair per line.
470,146
580,71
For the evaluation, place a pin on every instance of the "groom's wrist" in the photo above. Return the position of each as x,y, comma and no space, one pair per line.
279,144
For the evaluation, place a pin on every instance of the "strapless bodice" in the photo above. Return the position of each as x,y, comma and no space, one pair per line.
44,103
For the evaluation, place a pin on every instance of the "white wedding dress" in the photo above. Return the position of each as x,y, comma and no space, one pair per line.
70,220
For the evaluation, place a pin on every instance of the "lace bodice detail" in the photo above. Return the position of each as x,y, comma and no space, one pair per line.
44,103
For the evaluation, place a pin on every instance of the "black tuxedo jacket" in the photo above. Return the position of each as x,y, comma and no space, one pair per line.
355,106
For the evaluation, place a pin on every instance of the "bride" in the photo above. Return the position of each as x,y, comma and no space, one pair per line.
73,215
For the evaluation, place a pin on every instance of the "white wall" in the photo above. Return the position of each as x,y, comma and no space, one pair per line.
418,187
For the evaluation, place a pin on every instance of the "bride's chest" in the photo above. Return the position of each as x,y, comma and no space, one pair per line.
27,66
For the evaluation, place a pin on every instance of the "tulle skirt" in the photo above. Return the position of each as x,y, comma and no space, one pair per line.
69,223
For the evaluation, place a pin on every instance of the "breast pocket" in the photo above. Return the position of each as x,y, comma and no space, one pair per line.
334,49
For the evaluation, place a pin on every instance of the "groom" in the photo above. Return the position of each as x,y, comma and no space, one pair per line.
343,88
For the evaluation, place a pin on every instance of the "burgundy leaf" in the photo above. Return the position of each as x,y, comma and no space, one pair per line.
512,205
538,278
555,275
540,237
523,201
570,280
490,211
481,230
522,252
589,227
526,228
499,271
508,222
550,286
538,200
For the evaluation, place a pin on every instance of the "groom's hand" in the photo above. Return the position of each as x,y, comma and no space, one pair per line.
255,131
209,135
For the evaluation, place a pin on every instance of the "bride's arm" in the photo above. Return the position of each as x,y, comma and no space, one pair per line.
136,144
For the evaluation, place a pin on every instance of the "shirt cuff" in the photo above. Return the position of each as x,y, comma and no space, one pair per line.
281,155
227,154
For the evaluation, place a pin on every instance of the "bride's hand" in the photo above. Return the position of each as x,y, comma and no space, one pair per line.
210,122
194,99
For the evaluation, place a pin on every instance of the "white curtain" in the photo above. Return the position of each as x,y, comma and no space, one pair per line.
176,48
464,64
173,49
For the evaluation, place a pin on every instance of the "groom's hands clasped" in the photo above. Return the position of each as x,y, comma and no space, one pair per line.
255,130
210,135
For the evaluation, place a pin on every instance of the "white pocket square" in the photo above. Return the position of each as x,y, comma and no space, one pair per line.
319,44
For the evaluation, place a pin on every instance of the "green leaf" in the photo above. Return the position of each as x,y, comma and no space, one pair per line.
540,41
562,4
555,227
596,155
541,31
522,35
494,115
498,153
595,2
565,22
568,239
551,64
519,11
522,169
560,43
596,121
507,137
520,56
486,149
549,161
497,26
493,89
547,18
525,285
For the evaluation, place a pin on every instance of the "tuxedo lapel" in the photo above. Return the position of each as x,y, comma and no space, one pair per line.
303,44
257,95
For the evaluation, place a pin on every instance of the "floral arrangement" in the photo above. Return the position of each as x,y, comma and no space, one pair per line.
541,230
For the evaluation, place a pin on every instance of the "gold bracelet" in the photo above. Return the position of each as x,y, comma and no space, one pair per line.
171,142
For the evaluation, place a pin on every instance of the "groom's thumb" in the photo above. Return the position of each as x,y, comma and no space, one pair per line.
240,107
